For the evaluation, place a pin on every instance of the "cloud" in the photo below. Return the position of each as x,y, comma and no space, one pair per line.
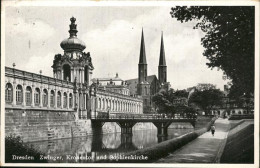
40,62
34,29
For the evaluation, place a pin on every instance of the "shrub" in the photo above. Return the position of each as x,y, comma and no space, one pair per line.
15,146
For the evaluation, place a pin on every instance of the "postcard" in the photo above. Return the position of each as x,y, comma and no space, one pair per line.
130,84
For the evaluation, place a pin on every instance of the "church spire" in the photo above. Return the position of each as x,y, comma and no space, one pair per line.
142,59
162,60
142,66
162,68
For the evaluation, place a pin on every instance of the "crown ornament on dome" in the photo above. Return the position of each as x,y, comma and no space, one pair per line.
73,43
73,27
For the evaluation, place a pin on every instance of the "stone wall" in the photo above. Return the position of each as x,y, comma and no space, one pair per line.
38,125
34,125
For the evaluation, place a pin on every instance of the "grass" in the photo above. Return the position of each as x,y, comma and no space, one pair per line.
240,146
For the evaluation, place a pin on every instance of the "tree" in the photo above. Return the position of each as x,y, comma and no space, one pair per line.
181,93
164,101
228,41
207,99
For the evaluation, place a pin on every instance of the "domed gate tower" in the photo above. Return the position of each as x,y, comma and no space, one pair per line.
75,66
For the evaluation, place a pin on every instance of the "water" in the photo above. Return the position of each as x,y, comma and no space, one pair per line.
93,148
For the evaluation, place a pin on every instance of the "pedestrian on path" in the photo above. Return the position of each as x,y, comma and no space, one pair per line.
212,128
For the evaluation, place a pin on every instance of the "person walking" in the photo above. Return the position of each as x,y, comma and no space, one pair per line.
212,128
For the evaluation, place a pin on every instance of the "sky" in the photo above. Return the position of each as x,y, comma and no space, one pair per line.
112,36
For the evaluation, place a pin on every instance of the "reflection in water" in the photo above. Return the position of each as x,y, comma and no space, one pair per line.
96,147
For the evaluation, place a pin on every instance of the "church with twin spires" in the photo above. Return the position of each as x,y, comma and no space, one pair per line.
147,86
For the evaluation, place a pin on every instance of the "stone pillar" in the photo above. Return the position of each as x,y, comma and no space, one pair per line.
73,101
86,75
79,75
55,102
33,90
162,128
49,98
68,96
61,99
23,95
76,103
75,74
41,97
126,127
82,73
14,94
85,101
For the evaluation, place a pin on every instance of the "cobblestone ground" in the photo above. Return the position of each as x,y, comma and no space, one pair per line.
205,149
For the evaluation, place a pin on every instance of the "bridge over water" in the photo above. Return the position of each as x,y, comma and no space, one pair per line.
126,122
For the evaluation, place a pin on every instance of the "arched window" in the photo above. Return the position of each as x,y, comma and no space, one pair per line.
52,98
28,96
65,100
70,101
19,93
44,98
59,99
66,72
37,97
8,93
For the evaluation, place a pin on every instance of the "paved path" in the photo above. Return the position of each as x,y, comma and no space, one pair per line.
205,149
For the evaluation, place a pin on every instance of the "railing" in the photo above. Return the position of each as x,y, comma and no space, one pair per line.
37,77
142,117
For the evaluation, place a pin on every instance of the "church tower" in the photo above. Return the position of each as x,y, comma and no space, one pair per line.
143,87
162,68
